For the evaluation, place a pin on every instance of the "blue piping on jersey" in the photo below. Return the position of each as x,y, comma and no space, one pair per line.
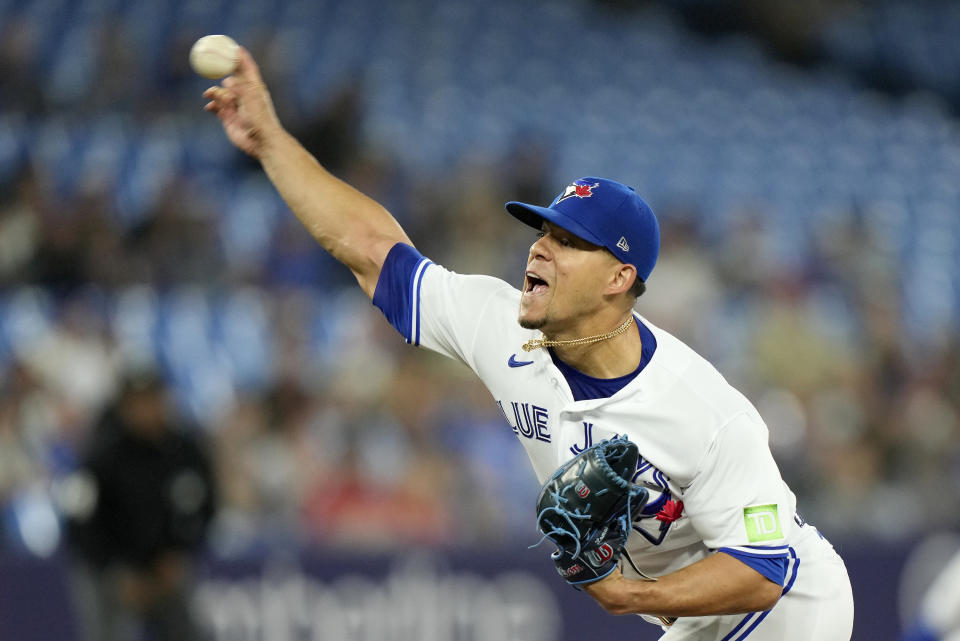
740,625
759,552
396,292
765,547
763,615
415,283
793,576
753,625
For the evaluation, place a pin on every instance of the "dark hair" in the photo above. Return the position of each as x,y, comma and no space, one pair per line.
637,289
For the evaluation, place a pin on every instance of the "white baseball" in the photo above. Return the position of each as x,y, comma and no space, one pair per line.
215,56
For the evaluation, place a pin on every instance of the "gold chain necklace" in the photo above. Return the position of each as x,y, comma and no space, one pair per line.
537,343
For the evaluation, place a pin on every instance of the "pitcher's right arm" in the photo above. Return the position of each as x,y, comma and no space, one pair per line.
354,228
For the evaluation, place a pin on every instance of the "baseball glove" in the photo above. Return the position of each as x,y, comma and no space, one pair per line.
586,509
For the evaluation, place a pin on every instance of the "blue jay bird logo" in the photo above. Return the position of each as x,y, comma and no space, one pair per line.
579,189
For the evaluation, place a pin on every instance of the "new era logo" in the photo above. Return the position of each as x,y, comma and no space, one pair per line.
623,244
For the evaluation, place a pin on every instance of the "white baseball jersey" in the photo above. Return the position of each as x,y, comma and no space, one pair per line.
713,483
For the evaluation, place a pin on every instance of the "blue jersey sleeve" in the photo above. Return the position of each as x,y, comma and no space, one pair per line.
770,562
398,290
452,314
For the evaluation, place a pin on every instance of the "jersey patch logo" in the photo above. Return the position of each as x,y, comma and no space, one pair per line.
762,523
578,189
513,362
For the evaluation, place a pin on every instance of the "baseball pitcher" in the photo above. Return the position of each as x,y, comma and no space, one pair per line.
701,535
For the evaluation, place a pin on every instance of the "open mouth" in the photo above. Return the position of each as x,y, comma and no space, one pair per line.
534,284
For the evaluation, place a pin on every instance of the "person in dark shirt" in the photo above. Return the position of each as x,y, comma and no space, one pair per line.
143,500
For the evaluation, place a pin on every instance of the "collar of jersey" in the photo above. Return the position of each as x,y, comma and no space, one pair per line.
629,388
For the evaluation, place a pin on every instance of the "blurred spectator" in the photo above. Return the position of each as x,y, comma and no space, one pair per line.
177,243
333,136
138,510
686,279
19,54
28,446
75,358
20,211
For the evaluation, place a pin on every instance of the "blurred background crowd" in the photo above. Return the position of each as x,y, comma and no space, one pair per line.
803,158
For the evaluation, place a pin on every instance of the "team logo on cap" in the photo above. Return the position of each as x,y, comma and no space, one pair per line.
579,189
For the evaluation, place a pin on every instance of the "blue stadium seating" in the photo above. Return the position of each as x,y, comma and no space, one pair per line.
714,123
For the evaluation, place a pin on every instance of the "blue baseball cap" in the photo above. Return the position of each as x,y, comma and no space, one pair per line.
603,212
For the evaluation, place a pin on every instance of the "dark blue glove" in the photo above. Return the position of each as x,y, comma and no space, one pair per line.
597,558
586,508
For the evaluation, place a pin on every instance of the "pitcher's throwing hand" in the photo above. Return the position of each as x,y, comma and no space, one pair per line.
242,103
